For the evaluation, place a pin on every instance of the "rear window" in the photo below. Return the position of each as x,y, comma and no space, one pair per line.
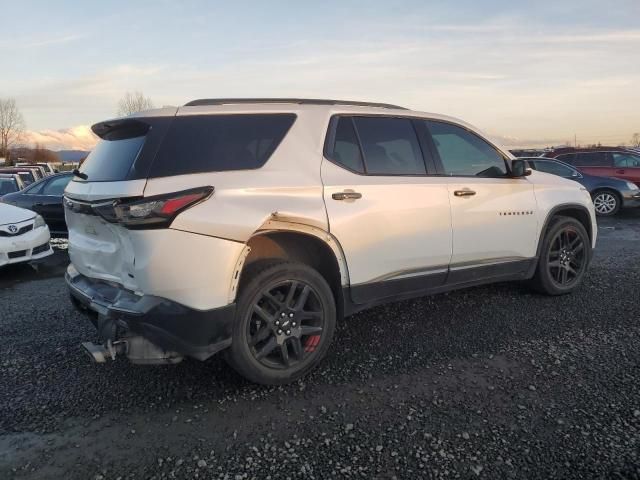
569,158
216,143
111,160
7,185
592,159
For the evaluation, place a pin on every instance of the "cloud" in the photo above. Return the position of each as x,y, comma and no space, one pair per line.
75,138
41,42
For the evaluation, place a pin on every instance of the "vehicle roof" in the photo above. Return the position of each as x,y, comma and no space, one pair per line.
288,105
297,106
591,149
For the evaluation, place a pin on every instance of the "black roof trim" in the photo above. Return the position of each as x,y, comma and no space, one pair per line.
301,101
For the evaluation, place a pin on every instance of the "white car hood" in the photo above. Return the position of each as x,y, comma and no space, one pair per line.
11,214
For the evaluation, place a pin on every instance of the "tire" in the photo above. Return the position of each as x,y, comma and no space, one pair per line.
556,254
606,202
272,312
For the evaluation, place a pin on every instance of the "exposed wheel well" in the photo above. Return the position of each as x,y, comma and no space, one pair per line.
299,247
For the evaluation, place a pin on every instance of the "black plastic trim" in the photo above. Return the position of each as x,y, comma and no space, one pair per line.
363,296
557,209
174,327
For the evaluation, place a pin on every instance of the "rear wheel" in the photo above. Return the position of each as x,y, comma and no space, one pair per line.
564,257
606,203
285,319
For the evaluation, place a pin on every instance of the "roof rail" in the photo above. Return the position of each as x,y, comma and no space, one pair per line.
301,101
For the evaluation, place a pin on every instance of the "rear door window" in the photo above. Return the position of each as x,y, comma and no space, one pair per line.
390,146
569,158
592,159
216,143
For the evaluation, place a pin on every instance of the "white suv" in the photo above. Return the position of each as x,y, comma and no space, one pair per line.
252,226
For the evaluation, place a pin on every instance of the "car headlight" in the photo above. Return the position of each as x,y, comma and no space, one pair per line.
632,186
39,222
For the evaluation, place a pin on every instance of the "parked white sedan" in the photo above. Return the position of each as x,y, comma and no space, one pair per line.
24,236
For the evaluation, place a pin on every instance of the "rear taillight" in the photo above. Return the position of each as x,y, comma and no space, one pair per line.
151,212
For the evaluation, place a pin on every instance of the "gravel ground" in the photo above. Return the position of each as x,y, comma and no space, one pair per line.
492,382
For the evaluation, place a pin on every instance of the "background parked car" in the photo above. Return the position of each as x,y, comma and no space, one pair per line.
28,176
45,197
602,161
9,183
46,167
24,236
609,194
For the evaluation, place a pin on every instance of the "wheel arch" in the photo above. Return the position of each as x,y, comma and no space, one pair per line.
298,242
573,210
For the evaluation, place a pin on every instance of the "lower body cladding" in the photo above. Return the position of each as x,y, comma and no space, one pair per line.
145,328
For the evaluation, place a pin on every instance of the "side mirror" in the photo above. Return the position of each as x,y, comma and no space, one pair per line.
575,174
519,168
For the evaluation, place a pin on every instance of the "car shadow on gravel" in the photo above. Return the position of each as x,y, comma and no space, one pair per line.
49,267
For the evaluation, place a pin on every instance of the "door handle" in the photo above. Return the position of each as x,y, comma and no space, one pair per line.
346,195
464,193
38,204
620,171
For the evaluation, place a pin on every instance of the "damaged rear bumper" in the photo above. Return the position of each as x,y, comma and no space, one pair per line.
121,316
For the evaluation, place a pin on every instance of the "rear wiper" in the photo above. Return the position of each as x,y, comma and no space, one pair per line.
78,173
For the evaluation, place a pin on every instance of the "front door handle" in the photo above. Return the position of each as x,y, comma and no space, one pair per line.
620,171
346,195
464,193
38,204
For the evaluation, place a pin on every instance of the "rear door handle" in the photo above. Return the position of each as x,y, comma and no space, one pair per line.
346,195
38,204
464,193
620,171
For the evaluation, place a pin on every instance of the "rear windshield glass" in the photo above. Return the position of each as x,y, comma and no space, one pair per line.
215,143
111,160
7,185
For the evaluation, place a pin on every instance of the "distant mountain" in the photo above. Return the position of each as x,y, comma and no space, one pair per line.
71,155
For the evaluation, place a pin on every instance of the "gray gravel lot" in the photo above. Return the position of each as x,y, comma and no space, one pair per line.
492,382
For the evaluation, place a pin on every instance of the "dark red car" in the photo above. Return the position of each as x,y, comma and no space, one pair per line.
616,162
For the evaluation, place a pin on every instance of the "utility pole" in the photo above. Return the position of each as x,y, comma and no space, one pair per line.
575,140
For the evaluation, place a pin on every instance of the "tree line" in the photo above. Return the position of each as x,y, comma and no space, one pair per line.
12,128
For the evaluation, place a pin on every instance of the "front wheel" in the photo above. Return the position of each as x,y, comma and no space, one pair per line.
285,319
564,257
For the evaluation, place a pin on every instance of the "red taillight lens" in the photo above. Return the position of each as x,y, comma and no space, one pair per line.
174,204
151,212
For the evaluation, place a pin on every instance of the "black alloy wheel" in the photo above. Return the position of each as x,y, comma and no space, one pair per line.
285,319
286,324
567,256
564,257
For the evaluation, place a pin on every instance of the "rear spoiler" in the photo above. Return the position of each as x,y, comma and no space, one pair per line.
120,129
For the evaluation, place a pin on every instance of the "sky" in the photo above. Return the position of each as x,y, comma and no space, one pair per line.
530,73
